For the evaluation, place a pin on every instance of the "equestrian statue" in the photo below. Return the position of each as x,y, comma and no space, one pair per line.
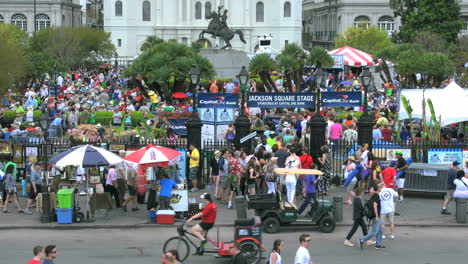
218,28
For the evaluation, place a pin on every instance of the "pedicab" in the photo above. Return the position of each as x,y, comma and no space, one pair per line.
274,212
246,231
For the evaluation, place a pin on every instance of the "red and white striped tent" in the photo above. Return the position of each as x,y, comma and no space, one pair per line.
354,57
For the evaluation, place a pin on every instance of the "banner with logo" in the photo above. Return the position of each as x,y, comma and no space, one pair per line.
178,126
218,100
341,99
339,61
286,100
444,156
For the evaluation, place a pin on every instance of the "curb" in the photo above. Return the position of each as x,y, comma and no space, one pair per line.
84,226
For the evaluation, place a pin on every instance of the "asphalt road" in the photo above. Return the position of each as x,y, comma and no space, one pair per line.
115,246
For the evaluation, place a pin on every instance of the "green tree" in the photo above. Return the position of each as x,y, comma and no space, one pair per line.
441,17
320,58
262,65
70,48
164,67
369,40
12,57
292,60
150,42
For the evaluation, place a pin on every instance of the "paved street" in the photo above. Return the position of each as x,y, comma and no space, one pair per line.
415,210
413,245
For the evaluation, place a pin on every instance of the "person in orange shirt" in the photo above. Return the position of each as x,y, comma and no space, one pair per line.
213,87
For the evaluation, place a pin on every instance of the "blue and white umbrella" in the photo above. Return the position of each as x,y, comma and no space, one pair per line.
86,156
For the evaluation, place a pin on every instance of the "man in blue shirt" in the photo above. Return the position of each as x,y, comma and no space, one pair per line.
165,193
309,190
452,174
36,186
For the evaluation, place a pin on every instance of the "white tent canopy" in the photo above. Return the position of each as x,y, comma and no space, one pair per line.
449,103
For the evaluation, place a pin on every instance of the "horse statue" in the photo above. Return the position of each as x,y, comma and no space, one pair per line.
219,28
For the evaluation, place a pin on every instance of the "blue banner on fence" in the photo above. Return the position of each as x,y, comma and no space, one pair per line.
341,99
218,100
178,126
287,100
444,156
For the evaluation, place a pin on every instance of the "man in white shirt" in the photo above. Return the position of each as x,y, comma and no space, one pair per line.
302,254
387,211
364,159
59,80
80,178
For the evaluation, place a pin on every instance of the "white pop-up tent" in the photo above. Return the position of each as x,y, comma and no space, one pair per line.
450,103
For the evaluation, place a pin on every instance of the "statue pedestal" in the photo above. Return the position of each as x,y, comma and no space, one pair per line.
227,63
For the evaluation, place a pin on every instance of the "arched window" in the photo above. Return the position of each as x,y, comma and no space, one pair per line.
146,11
2,20
465,27
42,21
118,8
287,9
198,10
386,23
185,41
20,21
362,22
260,12
207,9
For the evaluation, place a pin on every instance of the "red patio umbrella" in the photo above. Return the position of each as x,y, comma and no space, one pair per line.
179,95
153,156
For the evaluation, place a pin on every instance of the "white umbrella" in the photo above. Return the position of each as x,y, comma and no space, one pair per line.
86,156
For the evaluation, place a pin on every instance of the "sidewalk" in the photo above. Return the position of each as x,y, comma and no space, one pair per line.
414,211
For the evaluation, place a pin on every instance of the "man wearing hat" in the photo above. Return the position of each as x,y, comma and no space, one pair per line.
401,166
452,175
271,140
208,218
154,100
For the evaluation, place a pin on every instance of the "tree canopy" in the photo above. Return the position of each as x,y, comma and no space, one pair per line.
12,56
368,40
164,66
441,17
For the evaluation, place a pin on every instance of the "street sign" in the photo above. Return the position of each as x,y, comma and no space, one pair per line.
249,136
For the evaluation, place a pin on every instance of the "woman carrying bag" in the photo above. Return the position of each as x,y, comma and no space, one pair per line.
358,218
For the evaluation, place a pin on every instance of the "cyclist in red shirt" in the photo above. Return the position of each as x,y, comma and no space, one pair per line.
208,217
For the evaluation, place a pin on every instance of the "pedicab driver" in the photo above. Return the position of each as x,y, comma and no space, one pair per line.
208,217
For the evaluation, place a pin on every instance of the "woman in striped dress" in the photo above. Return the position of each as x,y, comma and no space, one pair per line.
326,161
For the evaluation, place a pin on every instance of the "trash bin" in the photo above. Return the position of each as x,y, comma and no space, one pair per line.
338,203
460,210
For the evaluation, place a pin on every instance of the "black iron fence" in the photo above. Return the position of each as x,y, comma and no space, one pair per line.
419,151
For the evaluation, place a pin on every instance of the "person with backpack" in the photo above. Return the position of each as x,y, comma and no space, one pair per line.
373,208
230,134
358,218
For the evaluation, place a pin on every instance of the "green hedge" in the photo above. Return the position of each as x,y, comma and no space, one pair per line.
104,118
345,115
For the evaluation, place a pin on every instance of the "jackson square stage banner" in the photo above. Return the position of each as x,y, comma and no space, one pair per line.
341,99
281,100
218,100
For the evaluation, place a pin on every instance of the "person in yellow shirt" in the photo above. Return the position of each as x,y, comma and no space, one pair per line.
194,163
154,100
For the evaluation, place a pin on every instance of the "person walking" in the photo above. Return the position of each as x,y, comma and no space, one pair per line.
38,252
452,175
234,177
50,254
252,174
111,185
270,176
401,166
223,165
349,167
194,163
309,190
358,218
376,220
302,253
132,185
36,186
10,189
325,160
292,162
275,255
387,197
214,172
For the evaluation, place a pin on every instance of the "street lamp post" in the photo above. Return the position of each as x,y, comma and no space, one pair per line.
317,123
365,122
46,216
424,80
242,123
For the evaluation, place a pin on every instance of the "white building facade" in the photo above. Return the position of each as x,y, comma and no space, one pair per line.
49,13
324,20
132,21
